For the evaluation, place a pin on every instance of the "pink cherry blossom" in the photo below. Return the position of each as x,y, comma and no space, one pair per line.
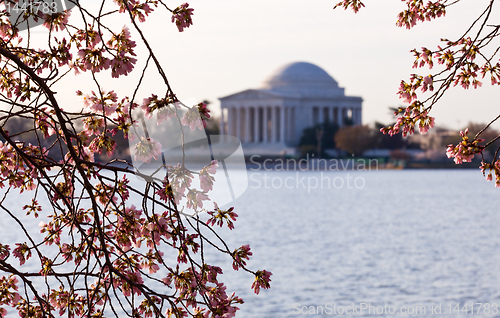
206,180
90,229
165,108
240,255
262,279
104,104
219,216
56,21
192,119
147,149
465,150
181,16
4,252
204,113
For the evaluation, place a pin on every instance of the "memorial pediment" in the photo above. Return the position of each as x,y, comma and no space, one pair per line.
252,94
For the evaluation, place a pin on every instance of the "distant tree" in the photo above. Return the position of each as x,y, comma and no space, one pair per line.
212,122
437,140
19,126
400,155
382,141
311,138
348,121
355,139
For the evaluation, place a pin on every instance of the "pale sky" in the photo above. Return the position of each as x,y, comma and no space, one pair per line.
234,45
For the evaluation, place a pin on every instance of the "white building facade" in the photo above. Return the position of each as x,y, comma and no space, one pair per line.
270,119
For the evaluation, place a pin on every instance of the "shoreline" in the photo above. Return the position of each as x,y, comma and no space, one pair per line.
336,164
349,164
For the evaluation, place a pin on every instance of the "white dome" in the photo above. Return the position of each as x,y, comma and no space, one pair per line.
303,79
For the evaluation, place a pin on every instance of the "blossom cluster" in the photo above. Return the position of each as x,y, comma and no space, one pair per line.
409,118
192,118
463,62
178,185
9,294
165,108
17,172
492,168
418,11
137,9
56,21
147,149
355,5
181,16
219,216
106,246
206,178
262,279
466,149
92,57
240,255
204,113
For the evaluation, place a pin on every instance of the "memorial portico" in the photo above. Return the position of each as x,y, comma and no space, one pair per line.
296,96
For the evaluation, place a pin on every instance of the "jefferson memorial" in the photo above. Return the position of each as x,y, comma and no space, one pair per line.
270,119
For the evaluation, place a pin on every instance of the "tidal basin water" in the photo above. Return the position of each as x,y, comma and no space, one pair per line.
406,238
396,240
